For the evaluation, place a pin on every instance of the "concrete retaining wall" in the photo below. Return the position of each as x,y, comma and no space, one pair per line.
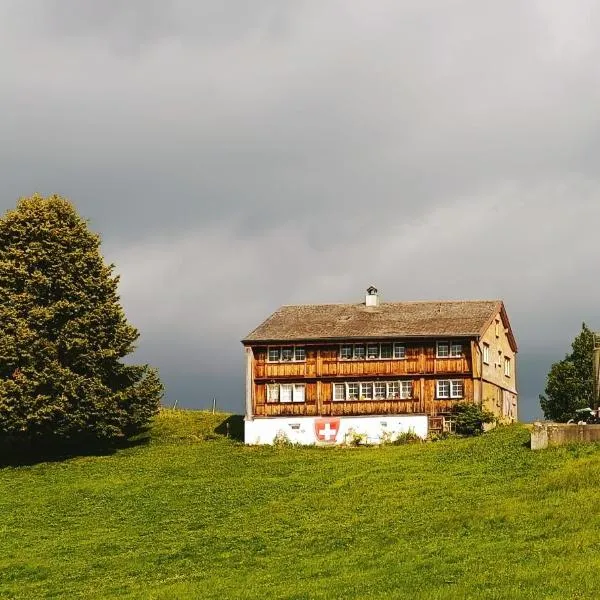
549,434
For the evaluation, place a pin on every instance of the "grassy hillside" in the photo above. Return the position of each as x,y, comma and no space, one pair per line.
196,515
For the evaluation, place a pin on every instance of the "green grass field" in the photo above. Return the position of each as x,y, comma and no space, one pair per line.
196,515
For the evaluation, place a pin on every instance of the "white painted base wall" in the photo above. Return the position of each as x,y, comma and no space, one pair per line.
301,430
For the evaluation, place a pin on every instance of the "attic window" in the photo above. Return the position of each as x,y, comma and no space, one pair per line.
456,349
286,354
346,352
399,351
448,350
372,351
359,352
442,350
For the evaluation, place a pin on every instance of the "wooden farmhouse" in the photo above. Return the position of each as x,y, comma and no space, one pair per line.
321,373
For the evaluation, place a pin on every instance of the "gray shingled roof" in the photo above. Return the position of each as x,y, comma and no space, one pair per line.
389,319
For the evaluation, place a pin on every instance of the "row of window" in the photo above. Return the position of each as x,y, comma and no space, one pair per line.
486,359
286,354
365,390
286,392
396,351
372,351
448,349
380,390
389,351
377,390
449,388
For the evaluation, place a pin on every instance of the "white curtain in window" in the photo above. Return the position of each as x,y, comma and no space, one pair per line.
285,392
299,393
273,393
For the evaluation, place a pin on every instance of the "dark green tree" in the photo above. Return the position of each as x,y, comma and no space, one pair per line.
570,382
63,333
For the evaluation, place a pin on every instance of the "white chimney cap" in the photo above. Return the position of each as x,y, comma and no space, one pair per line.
372,298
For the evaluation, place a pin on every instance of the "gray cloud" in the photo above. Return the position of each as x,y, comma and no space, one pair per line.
240,155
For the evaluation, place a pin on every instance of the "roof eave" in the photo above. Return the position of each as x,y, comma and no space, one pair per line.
337,339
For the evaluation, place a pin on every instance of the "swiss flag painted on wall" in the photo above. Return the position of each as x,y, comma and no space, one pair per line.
326,429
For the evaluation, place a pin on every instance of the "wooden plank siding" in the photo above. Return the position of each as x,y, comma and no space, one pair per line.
421,402
323,367
324,362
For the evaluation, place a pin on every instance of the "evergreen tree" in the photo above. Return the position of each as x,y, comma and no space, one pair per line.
570,383
63,333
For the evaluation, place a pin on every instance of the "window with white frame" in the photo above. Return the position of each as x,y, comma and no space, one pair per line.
507,366
372,351
339,391
299,392
386,351
286,392
286,354
456,388
273,392
449,388
346,352
352,390
442,388
380,390
369,390
442,350
486,353
455,350
448,349
359,352
366,391
405,390
399,351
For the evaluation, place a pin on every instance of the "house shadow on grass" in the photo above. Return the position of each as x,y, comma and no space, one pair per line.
23,454
232,427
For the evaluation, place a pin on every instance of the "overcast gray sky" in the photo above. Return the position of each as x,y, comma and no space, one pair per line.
236,156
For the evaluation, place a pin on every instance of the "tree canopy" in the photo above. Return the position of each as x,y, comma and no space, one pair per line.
570,382
64,333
